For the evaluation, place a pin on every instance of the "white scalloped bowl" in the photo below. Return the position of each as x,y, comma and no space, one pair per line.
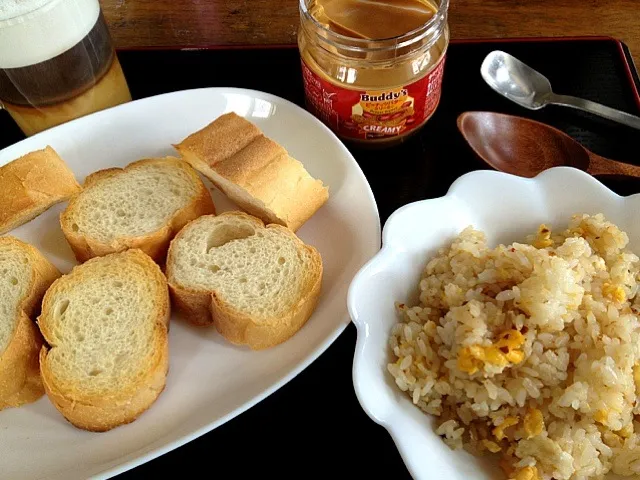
506,208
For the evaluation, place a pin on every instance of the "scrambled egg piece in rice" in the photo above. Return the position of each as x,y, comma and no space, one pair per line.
533,423
498,431
527,473
500,354
530,352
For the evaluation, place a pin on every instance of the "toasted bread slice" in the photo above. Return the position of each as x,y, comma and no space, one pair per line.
32,184
254,171
258,285
25,274
141,206
106,327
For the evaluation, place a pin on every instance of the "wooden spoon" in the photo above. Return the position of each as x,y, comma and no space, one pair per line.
525,147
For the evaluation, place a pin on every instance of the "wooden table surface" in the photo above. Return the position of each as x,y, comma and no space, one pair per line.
136,23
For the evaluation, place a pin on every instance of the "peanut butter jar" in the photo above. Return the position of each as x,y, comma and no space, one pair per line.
372,69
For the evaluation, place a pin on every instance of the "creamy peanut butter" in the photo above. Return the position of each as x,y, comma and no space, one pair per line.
371,19
373,69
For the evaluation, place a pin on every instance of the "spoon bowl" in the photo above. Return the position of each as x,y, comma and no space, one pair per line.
515,80
524,147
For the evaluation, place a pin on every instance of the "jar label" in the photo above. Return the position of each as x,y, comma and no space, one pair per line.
373,114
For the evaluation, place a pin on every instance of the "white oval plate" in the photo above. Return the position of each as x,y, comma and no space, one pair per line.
210,381
506,208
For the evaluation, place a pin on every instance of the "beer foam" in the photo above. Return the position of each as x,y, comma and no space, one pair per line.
32,31
15,8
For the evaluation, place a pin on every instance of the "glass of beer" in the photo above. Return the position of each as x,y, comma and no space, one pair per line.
57,62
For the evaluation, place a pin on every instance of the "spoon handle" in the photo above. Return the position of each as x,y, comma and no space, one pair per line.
596,108
603,166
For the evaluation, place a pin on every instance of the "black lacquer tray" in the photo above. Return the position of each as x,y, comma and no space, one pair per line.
314,427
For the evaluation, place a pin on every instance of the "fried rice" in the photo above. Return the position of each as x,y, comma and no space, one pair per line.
530,352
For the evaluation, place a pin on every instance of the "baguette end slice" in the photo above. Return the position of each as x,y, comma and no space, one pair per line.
107,352
32,184
22,266
89,236
254,171
289,299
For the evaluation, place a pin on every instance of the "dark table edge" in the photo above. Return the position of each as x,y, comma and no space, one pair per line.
625,54
632,70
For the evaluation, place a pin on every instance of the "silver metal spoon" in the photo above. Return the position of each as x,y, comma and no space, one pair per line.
530,89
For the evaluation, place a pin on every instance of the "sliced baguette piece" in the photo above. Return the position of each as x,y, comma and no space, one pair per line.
140,206
25,275
105,324
31,185
258,285
254,171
